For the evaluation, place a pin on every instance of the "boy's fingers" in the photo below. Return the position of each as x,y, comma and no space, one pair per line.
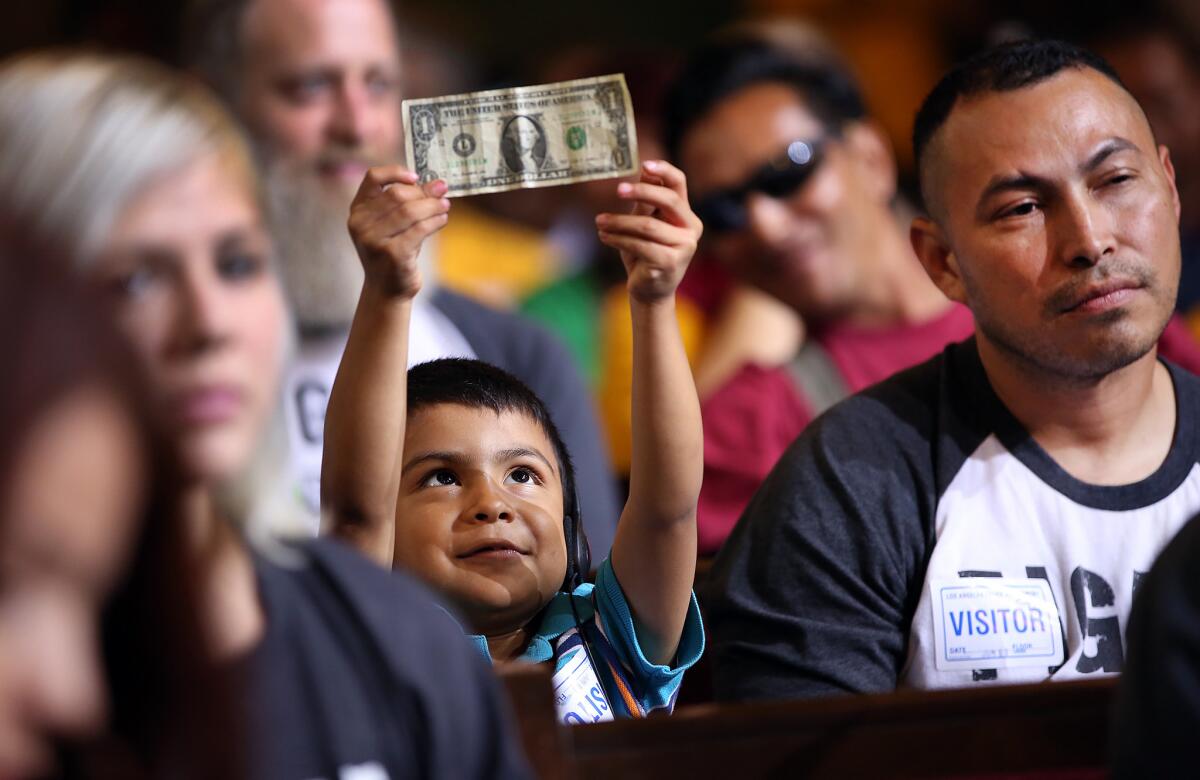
649,197
648,228
408,241
436,188
668,174
639,247
425,228
394,221
394,212
411,213
385,177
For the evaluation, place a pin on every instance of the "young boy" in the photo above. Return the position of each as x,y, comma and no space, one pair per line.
471,487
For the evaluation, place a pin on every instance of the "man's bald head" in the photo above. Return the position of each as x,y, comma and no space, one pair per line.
1000,69
316,84
214,43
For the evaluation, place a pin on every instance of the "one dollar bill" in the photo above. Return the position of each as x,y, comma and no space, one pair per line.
505,139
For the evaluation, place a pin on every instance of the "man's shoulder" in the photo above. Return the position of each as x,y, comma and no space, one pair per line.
923,422
509,340
389,604
467,313
1187,384
905,405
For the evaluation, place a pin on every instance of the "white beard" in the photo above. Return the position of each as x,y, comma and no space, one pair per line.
321,272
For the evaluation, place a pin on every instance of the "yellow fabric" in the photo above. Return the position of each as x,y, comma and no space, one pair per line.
616,366
493,260
1192,317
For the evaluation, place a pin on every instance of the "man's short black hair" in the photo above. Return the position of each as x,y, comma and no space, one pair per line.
719,70
1003,68
478,385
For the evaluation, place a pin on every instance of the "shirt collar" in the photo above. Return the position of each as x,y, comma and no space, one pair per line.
556,619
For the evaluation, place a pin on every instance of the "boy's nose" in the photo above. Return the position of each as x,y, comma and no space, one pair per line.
491,504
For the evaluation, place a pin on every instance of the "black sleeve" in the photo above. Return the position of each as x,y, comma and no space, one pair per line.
474,730
1157,714
430,671
539,359
814,591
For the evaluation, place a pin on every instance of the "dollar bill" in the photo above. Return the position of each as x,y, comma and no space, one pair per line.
540,136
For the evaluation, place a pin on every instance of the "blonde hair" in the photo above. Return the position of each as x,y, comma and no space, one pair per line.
81,135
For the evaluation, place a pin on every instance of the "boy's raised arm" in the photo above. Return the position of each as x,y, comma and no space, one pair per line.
364,423
654,554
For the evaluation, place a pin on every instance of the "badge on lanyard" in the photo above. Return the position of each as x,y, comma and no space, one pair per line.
995,623
578,695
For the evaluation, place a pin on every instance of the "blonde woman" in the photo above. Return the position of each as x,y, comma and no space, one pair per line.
140,178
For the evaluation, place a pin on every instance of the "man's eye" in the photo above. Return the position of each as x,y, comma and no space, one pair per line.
380,85
237,266
304,88
1019,210
441,478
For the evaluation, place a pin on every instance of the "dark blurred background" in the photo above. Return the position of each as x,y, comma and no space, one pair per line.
898,47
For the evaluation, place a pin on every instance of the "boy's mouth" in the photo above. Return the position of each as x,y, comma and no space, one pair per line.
493,548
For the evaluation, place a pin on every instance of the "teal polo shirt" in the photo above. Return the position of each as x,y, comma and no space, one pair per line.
632,684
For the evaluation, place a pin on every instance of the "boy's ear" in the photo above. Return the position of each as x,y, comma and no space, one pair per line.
933,250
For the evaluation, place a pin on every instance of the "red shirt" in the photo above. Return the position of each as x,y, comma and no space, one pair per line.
753,418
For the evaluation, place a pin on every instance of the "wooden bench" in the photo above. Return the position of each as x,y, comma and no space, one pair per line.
1052,730
1038,731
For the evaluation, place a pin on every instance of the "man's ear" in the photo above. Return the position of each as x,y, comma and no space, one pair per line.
933,250
1164,157
872,153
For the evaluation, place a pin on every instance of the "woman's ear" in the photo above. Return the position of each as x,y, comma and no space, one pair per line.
933,250
872,154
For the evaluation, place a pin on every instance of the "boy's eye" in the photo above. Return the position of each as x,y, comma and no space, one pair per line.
523,475
440,478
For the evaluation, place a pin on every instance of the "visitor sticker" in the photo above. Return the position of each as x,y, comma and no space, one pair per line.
995,623
578,697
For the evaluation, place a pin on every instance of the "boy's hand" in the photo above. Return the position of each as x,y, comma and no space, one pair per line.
658,239
390,218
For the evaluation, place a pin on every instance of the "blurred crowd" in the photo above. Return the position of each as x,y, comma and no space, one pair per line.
177,292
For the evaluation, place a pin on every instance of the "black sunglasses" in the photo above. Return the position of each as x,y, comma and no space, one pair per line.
725,211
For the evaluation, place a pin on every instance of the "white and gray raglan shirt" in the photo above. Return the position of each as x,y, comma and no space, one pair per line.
917,536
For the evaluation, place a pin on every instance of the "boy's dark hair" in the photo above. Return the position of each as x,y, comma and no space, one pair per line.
478,385
718,70
1003,68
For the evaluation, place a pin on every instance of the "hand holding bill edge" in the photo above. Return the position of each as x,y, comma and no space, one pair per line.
390,217
657,240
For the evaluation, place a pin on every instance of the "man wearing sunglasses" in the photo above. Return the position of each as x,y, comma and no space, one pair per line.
795,186
987,516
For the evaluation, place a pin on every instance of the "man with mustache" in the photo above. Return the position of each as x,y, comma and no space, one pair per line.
796,185
987,516
317,85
